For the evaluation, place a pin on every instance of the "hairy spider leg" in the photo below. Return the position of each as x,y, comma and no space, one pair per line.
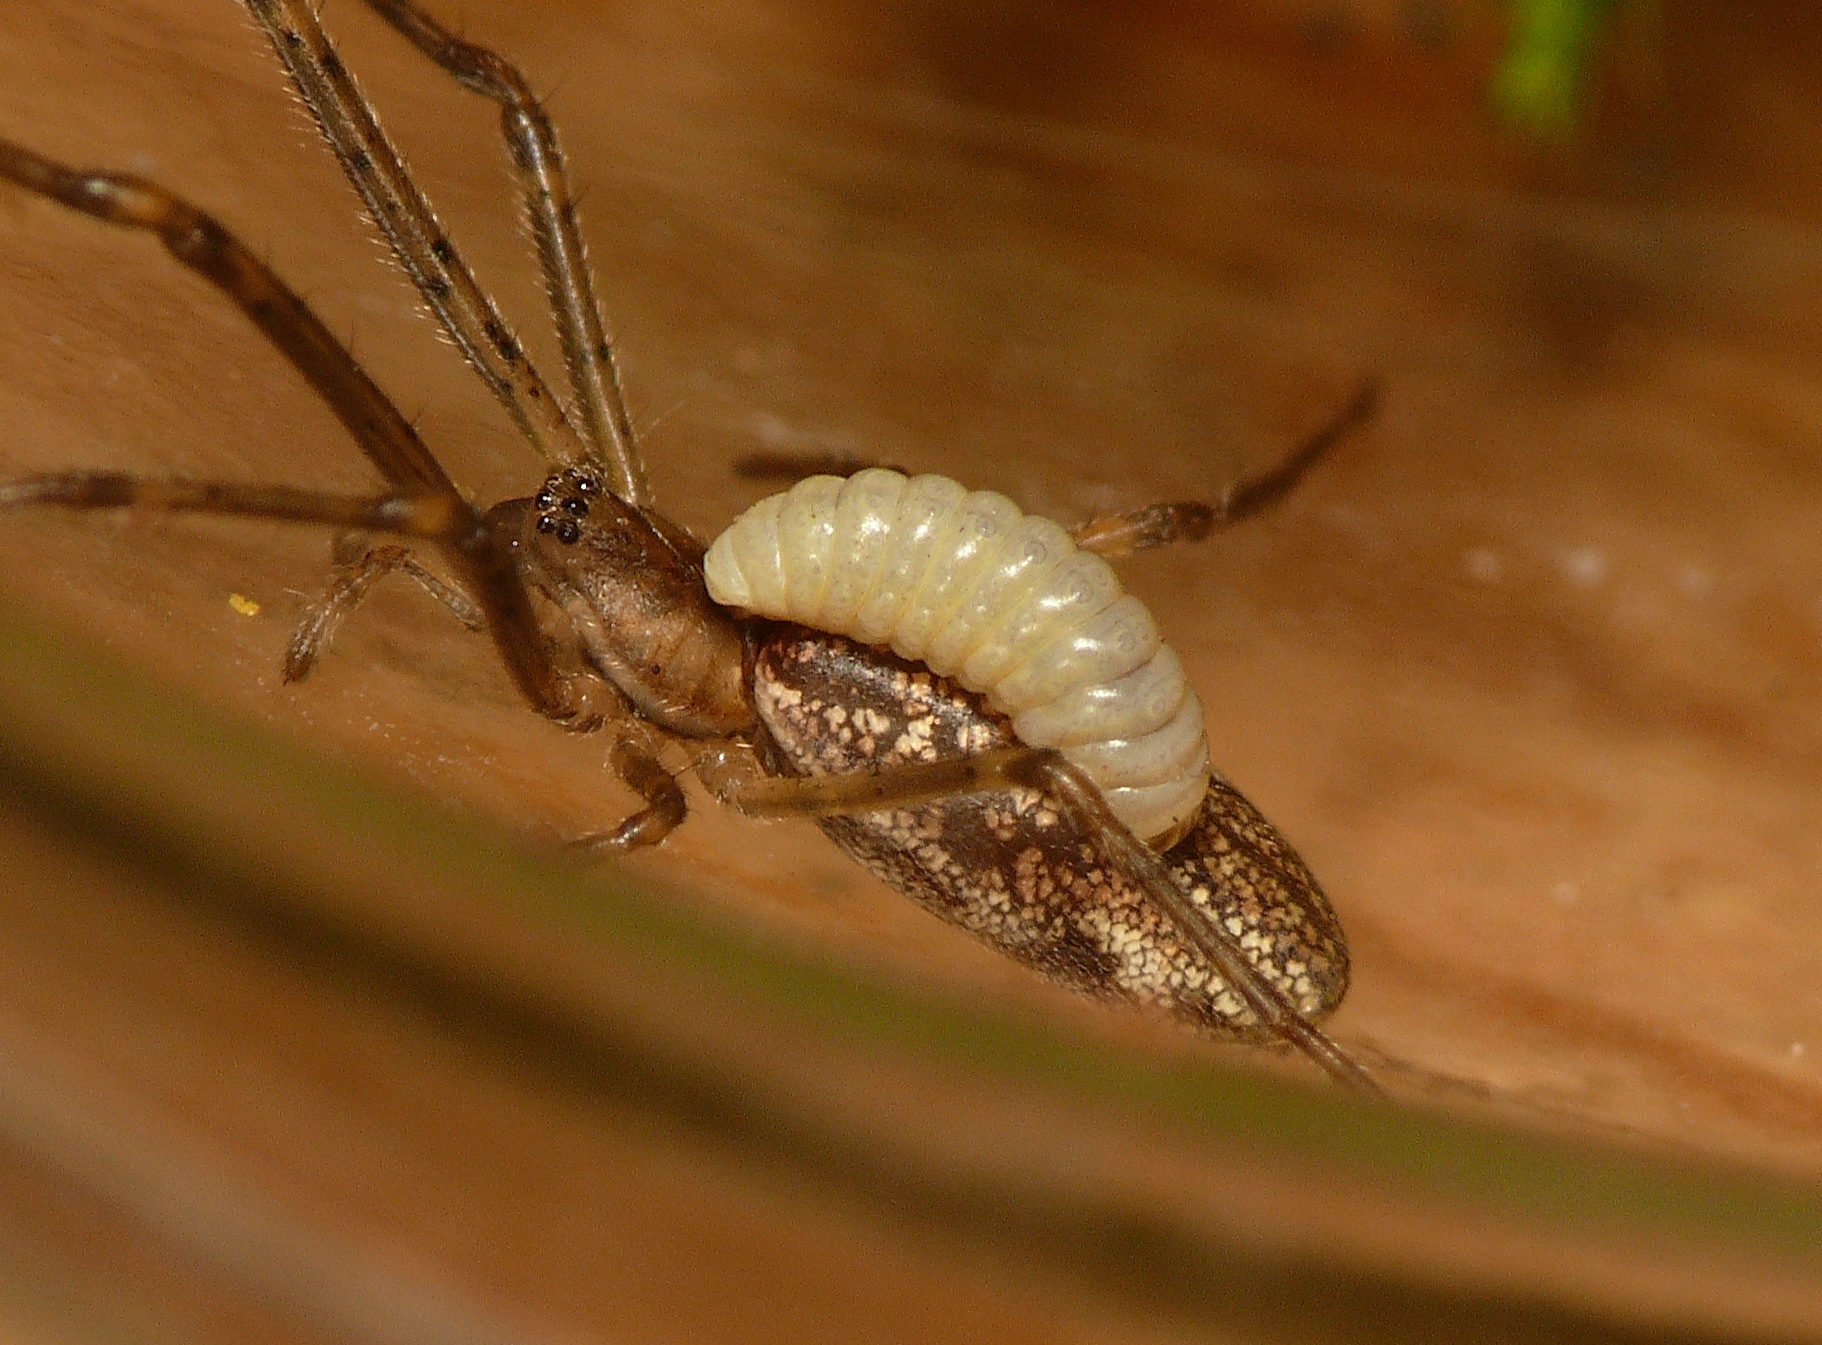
428,506
635,760
1117,535
1049,771
472,320
1191,520
349,585
425,503
550,207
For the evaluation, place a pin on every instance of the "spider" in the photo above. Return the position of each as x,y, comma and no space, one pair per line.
957,692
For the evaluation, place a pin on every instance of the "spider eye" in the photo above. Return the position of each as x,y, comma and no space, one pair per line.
576,507
547,524
568,532
587,484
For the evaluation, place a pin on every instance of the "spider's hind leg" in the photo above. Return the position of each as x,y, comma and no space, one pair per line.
779,796
1191,520
1052,775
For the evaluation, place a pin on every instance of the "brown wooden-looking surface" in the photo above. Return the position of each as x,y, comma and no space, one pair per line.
1528,671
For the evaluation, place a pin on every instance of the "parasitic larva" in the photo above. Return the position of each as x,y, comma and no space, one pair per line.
1021,814
1003,602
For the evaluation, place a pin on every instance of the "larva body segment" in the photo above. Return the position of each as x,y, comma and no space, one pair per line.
1002,602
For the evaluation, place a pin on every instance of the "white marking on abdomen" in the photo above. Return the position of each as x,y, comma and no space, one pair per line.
1002,601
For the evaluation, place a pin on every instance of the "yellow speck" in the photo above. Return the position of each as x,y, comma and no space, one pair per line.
241,603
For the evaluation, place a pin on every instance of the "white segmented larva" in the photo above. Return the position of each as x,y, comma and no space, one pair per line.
1004,602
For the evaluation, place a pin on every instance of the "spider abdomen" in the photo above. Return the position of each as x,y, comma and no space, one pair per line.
1013,867
1003,602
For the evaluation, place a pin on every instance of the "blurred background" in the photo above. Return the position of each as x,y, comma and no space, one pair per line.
309,1032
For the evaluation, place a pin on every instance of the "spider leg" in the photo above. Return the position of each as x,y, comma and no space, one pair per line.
1140,529
551,210
427,504
1191,521
405,217
773,796
349,585
1049,771
483,557
432,517
634,758
202,244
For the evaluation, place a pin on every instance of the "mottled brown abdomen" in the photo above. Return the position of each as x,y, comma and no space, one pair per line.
1009,865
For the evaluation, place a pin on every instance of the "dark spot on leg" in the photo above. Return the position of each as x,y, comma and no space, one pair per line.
502,341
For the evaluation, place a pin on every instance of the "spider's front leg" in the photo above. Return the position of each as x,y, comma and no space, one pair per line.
201,243
422,504
426,517
599,403
356,573
635,759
